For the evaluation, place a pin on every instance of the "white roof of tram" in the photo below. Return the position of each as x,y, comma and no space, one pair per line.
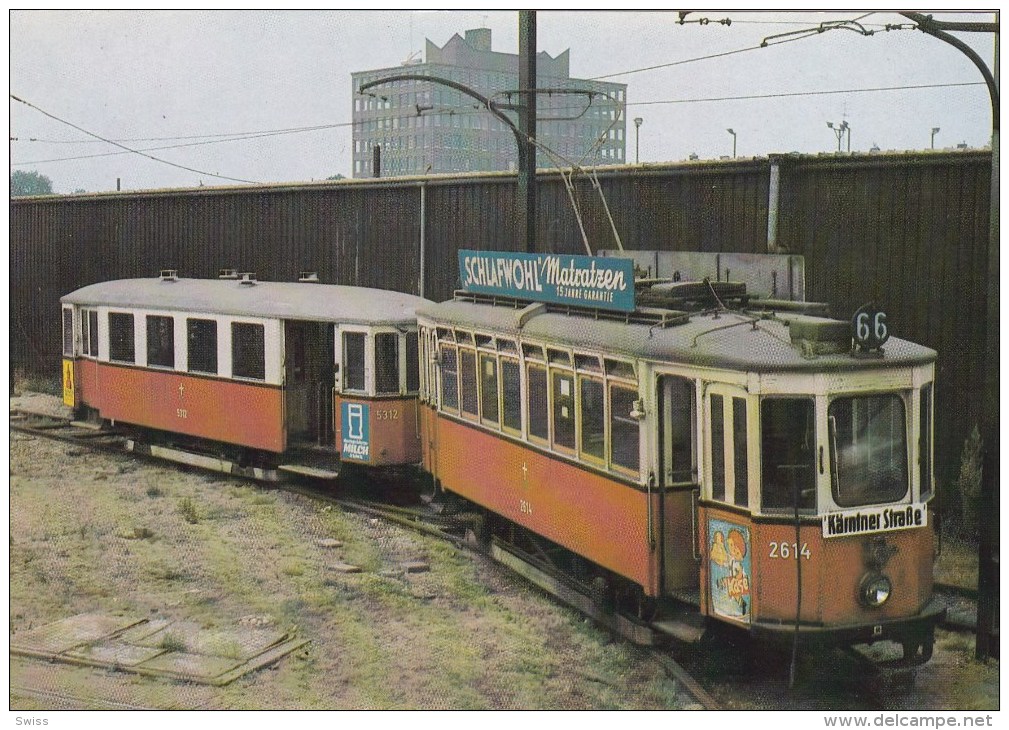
268,299
727,340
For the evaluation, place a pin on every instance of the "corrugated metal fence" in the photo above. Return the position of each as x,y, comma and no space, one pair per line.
908,231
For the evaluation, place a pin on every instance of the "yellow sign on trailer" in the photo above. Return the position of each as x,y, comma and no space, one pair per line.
68,383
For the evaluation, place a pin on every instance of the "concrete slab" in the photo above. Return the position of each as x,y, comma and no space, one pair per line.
115,653
345,568
158,647
195,667
63,635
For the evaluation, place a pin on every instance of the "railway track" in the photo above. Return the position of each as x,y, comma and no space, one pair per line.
460,529
463,530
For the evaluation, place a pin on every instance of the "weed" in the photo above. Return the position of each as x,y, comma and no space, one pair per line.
142,533
291,608
154,491
188,510
168,574
172,642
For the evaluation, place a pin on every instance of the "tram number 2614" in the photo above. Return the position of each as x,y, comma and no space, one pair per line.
789,550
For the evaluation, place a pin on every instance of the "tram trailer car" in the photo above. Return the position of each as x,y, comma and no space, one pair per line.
248,376
699,449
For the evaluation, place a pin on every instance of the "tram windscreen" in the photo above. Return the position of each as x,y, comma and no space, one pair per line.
787,454
868,449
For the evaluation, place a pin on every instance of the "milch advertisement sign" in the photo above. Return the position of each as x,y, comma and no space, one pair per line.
588,281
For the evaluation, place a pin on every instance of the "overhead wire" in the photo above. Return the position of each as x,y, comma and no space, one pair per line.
236,137
128,149
241,136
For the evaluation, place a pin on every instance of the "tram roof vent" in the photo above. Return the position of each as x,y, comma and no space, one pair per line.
248,278
816,336
227,274
309,277
169,275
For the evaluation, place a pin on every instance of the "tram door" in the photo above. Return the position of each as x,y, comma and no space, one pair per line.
678,483
308,377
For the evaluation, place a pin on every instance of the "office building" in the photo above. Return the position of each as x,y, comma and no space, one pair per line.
423,126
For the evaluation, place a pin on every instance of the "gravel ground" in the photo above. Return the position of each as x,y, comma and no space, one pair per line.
97,533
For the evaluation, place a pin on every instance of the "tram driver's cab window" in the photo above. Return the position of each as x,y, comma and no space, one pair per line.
868,449
787,454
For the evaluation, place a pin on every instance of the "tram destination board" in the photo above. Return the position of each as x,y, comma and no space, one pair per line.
586,281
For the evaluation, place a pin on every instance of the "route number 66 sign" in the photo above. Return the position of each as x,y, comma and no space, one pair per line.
869,328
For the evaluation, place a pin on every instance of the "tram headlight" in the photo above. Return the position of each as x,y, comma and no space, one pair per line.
874,590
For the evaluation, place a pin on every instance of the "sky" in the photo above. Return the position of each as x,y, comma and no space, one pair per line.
266,97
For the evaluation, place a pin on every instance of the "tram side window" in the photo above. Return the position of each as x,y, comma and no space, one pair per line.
160,341
538,402
248,350
624,430
788,453
729,440
68,332
593,418
467,378
925,441
717,450
92,325
449,378
511,394
488,389
412,363
202,344
739,452
680,427
353,360
89,332
564,409
122,344
85,331
387,363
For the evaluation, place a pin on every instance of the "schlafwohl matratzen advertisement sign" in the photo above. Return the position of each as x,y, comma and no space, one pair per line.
586,281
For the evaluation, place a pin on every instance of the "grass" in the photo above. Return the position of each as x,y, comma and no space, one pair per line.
463,645
32,383
172,642
957,564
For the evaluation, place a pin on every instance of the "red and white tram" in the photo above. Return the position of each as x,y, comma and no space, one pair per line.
248,376
769,468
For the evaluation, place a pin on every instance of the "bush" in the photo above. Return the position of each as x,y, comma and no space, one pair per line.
968,484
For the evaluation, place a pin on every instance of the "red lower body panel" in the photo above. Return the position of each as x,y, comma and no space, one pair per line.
377,431
596,516
245,414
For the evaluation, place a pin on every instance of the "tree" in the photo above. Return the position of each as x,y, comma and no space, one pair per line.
337,176
30,183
